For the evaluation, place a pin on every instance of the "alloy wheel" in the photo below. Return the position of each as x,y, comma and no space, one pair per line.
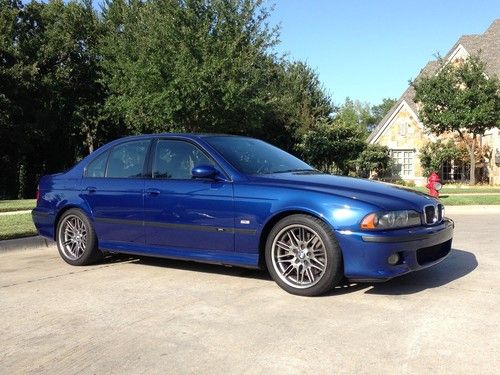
73,237
299,256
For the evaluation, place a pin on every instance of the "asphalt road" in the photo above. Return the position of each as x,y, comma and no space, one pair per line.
132,315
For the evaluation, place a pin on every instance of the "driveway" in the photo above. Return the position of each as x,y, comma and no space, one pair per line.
161,316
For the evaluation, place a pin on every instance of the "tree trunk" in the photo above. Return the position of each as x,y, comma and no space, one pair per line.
472,172
472,156
90,141
21,178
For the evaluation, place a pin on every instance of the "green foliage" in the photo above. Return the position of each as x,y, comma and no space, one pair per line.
362,114
332,146
187,66
461,98
374,159
379,111
296,102
355,113
49,91
434,154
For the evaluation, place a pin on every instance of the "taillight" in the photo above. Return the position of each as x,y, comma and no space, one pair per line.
37,196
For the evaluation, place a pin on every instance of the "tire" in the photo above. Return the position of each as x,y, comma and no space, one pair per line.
303,256
76,239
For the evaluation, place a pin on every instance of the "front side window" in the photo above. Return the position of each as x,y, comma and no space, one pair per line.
97,167
176,159
127,160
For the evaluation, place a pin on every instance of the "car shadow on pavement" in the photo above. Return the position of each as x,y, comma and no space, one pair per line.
205,268
458,264
117,258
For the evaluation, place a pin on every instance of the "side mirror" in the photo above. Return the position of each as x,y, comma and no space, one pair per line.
204,171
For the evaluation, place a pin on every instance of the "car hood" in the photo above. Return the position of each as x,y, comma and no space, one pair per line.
383,195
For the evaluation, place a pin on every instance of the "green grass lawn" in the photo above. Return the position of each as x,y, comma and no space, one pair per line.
17,205
465,200
456,190
16,226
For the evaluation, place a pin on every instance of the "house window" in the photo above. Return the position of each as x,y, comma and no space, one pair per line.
403,128
452,171
404,162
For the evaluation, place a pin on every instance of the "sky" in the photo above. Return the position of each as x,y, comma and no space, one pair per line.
369,50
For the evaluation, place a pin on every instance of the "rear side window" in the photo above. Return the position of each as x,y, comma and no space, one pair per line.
97,167
127,160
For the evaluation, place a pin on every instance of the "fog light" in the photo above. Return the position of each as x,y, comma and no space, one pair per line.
393,259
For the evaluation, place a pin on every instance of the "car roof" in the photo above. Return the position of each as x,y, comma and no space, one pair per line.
185,135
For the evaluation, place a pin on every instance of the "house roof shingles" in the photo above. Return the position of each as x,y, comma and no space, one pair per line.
486,45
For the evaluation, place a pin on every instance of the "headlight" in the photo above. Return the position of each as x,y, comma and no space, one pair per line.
391,220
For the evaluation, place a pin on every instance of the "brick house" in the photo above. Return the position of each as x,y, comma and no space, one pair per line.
403,133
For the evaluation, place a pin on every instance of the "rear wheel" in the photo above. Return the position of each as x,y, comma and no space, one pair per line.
303,257
76,239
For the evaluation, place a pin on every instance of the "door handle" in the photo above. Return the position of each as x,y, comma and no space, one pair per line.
91,189
152,192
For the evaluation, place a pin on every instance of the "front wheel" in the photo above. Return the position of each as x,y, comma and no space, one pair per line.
76,239
303,256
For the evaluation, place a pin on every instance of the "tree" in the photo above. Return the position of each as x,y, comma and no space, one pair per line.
374,159
9,108
333,145
297,101
461,98
379,111
355,113
434,154
195,66
362,114
48,91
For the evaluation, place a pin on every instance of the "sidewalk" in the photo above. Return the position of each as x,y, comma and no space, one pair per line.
472,210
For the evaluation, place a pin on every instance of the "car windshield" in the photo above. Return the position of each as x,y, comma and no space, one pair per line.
253,156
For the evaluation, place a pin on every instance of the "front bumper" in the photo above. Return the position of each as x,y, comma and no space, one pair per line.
366,253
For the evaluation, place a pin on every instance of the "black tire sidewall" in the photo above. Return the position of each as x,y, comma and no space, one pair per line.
91,253
334,271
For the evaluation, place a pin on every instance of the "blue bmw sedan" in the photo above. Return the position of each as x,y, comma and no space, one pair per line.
238,201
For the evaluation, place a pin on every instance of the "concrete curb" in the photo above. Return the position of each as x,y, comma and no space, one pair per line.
26,243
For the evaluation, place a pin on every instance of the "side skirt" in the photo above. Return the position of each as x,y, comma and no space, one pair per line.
204,256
